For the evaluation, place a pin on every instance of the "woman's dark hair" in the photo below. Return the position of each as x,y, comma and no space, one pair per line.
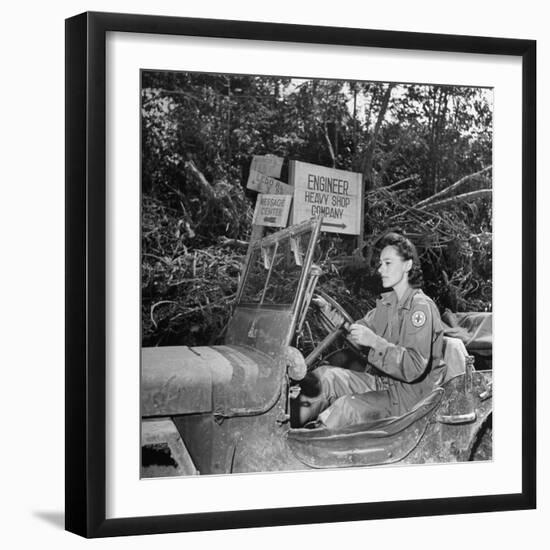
407,251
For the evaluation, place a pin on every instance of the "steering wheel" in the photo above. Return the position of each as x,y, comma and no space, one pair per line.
335,322
335,315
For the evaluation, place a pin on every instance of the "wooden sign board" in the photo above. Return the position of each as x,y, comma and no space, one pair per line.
337,195
269,165
266,184
272,210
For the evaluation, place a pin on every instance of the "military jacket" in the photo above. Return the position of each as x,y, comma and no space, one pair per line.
408,354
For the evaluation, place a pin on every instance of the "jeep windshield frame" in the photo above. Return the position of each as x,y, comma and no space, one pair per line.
288,252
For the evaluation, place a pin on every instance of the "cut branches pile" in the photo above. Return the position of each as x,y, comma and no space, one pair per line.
191,258
424,152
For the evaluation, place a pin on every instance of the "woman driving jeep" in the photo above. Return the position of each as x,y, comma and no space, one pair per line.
404,334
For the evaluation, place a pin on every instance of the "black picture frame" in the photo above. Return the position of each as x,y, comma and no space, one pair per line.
86,272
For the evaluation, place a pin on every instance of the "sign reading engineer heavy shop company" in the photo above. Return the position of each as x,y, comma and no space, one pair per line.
334,194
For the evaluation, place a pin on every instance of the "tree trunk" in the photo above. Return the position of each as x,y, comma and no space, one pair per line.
368,159
329,145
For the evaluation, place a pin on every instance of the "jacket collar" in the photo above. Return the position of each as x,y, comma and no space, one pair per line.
390,298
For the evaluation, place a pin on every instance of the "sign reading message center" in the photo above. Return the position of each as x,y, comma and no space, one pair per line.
336,195
272,210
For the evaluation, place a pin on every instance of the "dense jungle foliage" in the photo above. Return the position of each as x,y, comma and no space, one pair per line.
424,152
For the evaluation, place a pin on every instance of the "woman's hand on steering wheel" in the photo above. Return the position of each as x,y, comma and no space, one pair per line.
361,335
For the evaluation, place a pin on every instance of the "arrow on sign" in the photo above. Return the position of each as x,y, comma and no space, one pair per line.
342,225
272,219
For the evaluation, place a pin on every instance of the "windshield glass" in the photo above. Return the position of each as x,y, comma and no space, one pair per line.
274,271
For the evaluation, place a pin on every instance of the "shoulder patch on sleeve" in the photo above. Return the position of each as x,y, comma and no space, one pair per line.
418,318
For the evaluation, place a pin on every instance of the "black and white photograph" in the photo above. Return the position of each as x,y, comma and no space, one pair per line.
274,275
316,274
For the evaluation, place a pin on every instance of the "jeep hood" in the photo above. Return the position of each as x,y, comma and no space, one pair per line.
230,380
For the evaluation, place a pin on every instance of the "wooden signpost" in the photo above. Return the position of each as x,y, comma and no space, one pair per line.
269,165
272,210
264,171
313,190
266,184
337,195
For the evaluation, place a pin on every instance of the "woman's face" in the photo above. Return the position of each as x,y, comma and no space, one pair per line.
393,269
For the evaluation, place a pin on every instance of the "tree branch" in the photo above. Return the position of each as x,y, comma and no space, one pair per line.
452,187
199,177
231,242
472,195
405,180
